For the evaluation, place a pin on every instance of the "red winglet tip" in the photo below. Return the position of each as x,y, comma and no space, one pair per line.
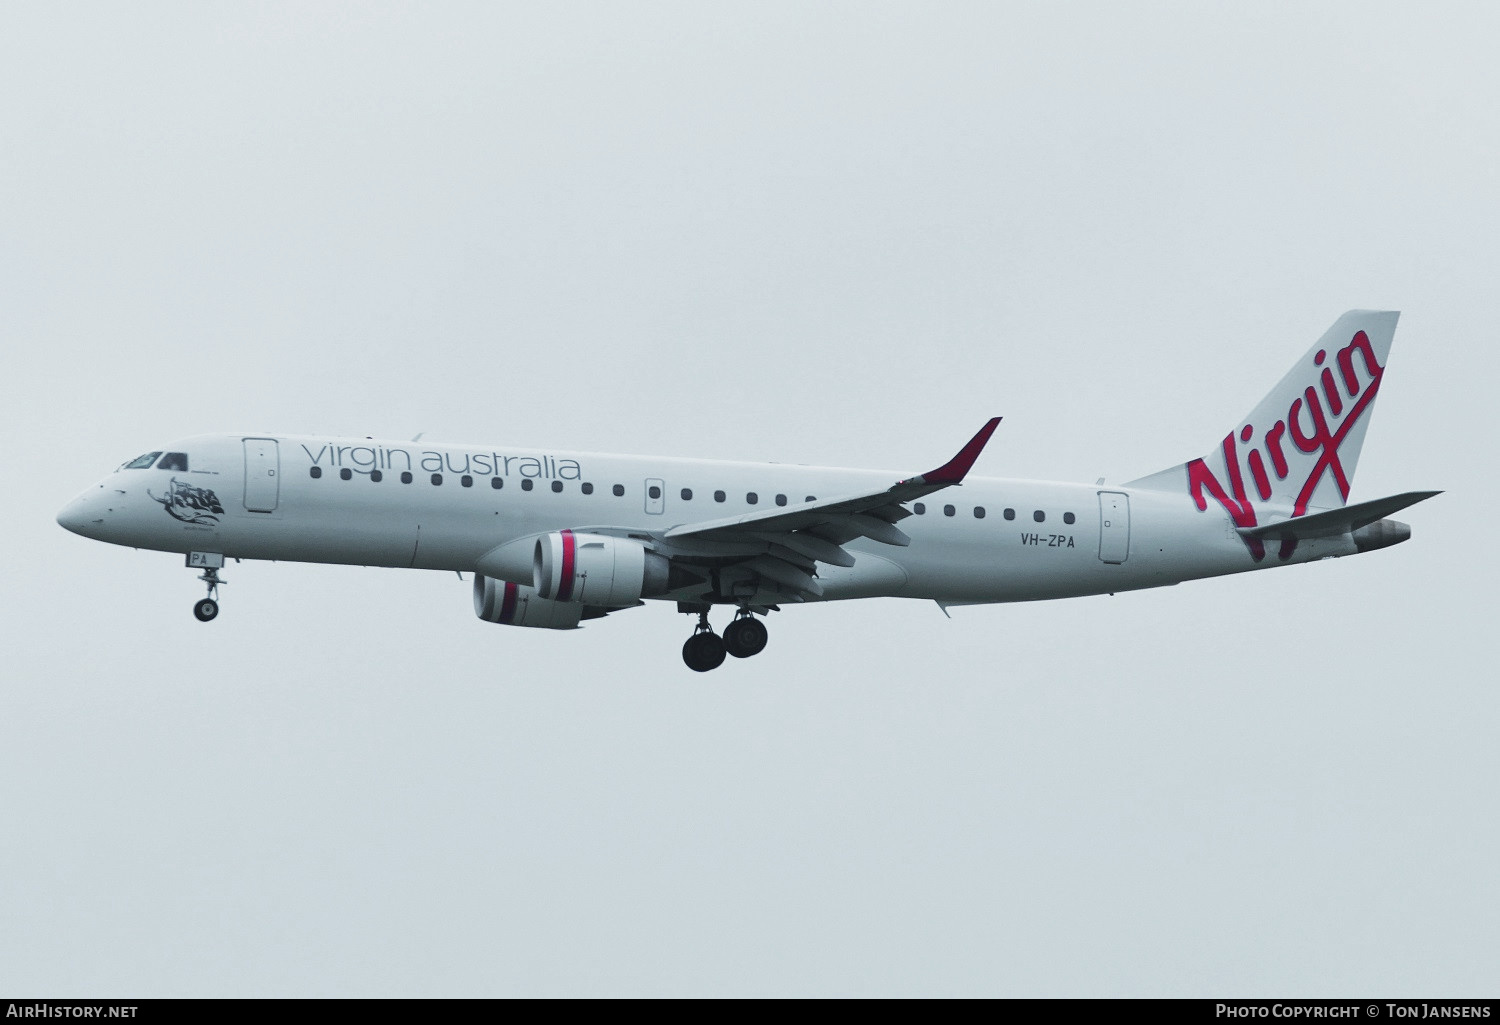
955,469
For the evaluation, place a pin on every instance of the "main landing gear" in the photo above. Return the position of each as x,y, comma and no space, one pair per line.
704,650
743,637
208,608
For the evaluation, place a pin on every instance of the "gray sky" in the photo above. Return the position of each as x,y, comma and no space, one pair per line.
833,233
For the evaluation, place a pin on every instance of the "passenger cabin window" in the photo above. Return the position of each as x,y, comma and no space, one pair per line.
653,492
466,480
718,496
557,485
1010,514
920,508
376,476
405,476
586,488
142,462
527,485
781,500
1069,518
619,490
346,474
173,461
687,494
948,510
1039,516
979,512
315,472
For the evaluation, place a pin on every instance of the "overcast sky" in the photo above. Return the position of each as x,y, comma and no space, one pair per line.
828,233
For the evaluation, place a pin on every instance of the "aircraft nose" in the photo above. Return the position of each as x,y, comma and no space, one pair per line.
82,515
72,516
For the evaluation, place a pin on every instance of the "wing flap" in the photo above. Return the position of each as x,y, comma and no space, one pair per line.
784,573
811,547
873,527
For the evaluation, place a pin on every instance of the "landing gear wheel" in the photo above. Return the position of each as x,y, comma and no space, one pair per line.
208,608
703,651
745,636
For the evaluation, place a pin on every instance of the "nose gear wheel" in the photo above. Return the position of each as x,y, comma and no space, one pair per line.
207,608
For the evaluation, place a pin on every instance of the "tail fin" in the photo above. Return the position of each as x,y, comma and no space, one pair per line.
1297,450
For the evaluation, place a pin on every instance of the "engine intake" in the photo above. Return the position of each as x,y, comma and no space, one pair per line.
496,601
596,569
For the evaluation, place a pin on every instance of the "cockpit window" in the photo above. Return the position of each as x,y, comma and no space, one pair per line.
173,461
141,462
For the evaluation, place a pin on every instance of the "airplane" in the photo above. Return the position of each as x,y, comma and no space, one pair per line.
553,539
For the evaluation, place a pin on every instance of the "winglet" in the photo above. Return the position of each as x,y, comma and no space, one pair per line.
955,469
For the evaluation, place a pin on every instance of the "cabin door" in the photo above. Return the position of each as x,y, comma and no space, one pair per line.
262,474
1114,527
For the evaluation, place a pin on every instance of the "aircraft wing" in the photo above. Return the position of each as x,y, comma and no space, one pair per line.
785,545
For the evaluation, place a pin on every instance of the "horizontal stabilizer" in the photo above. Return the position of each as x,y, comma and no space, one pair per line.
1335,521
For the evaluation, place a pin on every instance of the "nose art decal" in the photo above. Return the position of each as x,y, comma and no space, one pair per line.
189,504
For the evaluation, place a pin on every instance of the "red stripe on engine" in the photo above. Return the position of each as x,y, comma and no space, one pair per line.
565,585
508,604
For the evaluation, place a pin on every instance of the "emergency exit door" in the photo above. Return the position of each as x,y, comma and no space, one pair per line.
262,474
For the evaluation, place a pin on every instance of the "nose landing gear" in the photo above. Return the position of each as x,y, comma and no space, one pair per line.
207,608
743,637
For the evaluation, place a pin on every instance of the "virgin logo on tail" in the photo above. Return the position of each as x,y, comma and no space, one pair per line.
1301,449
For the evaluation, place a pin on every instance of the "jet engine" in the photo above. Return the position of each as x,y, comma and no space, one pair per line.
596,570
496,601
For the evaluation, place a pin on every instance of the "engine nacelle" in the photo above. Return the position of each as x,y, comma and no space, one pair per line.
597,570
496,601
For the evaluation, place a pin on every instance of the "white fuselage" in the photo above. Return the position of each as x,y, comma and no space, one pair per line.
257,497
